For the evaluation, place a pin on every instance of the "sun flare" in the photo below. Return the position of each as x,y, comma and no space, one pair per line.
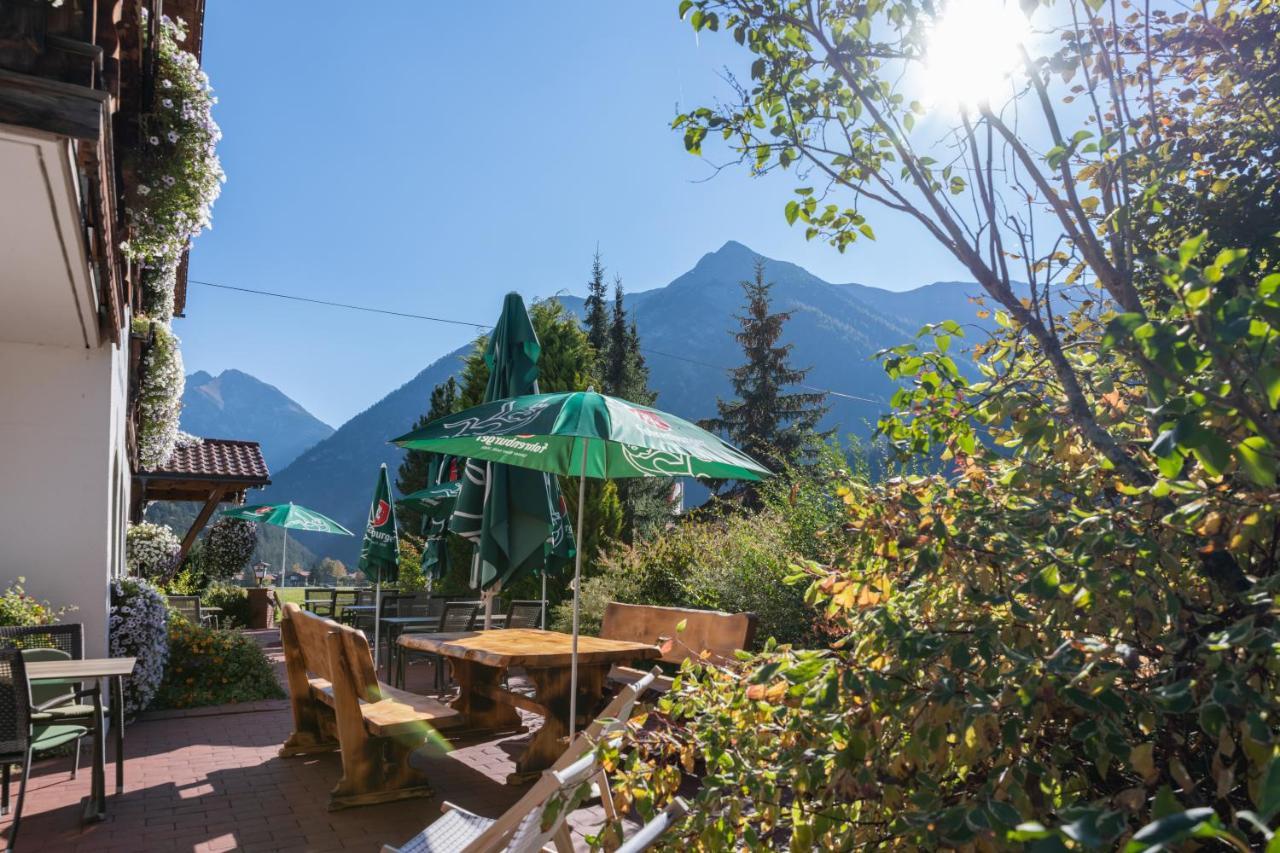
972,49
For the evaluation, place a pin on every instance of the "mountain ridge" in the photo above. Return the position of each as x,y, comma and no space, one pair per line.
685,332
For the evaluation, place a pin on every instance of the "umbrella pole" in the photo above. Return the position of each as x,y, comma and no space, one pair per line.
284,565
377,620
488,608
544,599
577,579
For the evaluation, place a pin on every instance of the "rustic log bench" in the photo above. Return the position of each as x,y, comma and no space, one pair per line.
707,633
338,703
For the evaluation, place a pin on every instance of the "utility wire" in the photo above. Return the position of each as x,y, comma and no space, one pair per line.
412,316
339,304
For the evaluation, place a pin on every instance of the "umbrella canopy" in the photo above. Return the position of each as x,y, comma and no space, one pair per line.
590,435
512,515
436,503
585,433
380,552
291,517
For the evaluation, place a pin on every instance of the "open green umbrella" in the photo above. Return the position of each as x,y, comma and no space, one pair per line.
380,551
291,517
585,434
512,515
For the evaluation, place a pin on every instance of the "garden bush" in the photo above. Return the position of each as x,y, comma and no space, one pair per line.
139,629
737,562
19,609
209,666
234,601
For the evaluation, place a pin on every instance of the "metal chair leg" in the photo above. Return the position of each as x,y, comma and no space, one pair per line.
22,793
75,760
4,803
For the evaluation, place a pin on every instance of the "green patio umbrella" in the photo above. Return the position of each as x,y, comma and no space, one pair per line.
512,515
436,503
585,434
380,551
290,516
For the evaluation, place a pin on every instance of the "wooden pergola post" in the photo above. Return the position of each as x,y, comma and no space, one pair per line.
216,496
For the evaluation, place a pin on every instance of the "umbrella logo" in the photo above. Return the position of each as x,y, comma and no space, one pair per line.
380,514
262,510
653,419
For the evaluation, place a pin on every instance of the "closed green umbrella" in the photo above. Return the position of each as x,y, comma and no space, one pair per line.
290,516
380,551
436,503
512,515
585,434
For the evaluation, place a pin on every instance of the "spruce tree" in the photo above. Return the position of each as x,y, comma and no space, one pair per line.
644,500
775,427
597,319
413,471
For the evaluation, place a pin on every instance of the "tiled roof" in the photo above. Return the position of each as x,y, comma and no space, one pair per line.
216,459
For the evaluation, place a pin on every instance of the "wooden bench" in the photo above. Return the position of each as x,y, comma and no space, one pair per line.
338,703
707,633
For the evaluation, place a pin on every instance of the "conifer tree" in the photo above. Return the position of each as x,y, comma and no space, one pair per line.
597,313
644,501
775,427
625,374
413,471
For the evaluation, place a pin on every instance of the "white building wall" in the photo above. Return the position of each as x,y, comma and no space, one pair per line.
64,476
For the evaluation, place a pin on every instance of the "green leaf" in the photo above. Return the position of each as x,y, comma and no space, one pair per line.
792,211
1269,376
1257,459
1191,247
681,625
1166,830
1268,801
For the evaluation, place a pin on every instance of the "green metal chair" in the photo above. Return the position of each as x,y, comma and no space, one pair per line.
20,735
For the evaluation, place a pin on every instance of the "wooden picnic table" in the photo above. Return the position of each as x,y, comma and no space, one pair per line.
480,658
113,670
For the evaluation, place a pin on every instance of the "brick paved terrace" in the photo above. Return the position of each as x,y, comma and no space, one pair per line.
210,780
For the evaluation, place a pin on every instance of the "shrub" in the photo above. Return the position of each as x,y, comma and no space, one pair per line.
150,550
233,600
737,563
138,627
209,666
228,547
19,609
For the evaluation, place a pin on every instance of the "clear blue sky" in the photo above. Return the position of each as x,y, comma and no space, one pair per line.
429,157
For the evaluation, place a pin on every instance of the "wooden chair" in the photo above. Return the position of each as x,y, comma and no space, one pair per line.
20,735
338,703
539,816
711,632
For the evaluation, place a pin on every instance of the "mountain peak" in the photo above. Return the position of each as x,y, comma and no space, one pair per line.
732,252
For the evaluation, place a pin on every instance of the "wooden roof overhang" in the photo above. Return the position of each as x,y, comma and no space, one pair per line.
211,472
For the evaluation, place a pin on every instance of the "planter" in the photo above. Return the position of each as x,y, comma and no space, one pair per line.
262,609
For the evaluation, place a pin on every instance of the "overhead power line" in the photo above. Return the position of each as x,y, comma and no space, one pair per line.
411,316
347,305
